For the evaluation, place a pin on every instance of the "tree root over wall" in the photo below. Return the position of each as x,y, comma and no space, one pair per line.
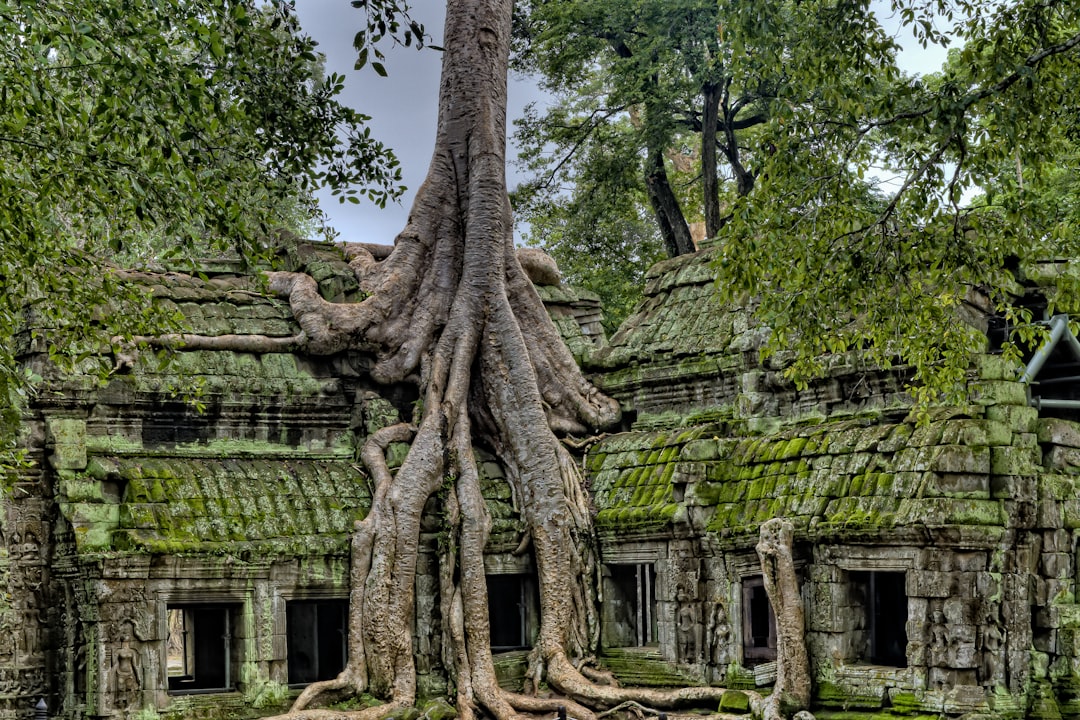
451,309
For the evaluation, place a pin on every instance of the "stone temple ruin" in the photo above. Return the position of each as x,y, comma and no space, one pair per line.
162,561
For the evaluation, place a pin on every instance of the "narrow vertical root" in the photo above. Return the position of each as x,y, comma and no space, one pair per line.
353,678
476,527
782,585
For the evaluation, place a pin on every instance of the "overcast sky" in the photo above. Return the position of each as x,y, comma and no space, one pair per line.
404,105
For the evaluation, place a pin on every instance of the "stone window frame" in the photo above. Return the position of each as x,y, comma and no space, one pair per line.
234,602
849,559
745,567
752,653
281,619
653,553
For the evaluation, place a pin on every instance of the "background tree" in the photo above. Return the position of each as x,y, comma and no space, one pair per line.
833,272
690,80
660,108
167,129
599,229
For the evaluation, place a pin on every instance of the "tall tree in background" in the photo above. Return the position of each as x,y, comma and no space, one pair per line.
891,277
815,114
660,110
683,88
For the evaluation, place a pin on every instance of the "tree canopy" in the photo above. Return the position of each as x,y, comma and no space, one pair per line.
686,87
659,112
166,129
813,115
890,278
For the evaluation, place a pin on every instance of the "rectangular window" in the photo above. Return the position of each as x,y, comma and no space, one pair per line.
882,597
630,606
758,622
512,607
199,650
317,634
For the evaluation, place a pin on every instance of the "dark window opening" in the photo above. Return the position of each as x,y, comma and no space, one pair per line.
759,622
512,608
630,606
883,598
317,635
199,648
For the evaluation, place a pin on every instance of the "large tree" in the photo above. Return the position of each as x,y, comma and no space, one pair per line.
451,308
677,93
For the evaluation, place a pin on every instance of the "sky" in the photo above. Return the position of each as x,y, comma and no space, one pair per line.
403,106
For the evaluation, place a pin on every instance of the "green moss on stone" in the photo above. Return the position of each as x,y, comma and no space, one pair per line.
734,701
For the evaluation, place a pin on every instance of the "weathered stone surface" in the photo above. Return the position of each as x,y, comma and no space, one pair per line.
972,516
1056,431
67,437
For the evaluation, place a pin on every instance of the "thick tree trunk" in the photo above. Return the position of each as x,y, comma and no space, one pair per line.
451,309
710,186
674,230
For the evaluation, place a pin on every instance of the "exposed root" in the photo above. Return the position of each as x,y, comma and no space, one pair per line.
566,679
530,704
523,546
126,351
344,682
638,709
376,712
353,679
451,305
641,711
580,444
596,674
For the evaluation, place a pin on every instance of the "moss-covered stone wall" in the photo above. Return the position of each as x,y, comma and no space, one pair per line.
971,512
207,478
139,501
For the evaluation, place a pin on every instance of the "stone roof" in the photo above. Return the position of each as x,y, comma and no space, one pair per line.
722,441
185,505
845,477
684,357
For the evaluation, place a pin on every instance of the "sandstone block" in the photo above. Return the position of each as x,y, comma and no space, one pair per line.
996,367
998,392
67,436
1015,487
1056,431
1020,418
1056,565
962,485
961,459
1012,460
